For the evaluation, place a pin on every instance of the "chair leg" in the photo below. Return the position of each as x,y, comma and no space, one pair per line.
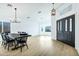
2,43
21,48
27,45
5,46
8,47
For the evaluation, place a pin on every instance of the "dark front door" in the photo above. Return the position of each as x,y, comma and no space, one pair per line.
66,30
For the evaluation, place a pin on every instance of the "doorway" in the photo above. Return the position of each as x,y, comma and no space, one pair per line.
66,30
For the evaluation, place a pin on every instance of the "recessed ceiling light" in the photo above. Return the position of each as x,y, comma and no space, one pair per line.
10,5
39,12
41,17
28,17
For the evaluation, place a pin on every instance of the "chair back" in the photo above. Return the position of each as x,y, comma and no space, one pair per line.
7,37
3,36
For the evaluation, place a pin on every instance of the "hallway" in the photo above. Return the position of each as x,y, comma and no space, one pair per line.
42,46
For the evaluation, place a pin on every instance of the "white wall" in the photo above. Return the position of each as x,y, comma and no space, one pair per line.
53,27
77,28
30,27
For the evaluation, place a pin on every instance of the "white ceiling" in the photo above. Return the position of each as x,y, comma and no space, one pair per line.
25,10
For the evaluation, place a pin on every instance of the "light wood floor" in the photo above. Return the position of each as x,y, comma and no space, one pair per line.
42,46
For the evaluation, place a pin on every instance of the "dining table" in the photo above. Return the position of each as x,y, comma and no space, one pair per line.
16,37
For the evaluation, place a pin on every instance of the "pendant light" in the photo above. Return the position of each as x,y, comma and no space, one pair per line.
53,11
15,17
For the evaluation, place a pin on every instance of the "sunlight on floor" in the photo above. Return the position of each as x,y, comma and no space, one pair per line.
45,41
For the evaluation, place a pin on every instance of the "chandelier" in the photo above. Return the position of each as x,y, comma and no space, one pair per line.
15,20
53,11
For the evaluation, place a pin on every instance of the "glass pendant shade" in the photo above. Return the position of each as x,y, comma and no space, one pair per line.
53,11
15,20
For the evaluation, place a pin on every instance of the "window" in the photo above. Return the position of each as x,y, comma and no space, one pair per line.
66,9
0,27
70,24
66,25
48,29
60,25
6,27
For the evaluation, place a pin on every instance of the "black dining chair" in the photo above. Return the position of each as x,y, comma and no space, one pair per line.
7,41
22,41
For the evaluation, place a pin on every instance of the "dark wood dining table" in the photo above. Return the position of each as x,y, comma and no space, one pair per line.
18,37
